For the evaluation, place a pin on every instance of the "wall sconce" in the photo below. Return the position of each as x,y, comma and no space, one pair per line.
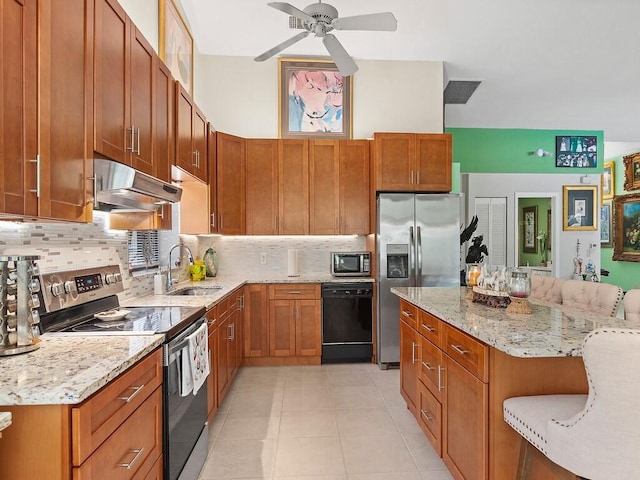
540,153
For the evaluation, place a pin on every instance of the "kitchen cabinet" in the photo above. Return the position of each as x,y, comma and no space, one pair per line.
124,84
212,389
191,135
339,187
416,162
262,186
293,185
409,366
231,183
47,66
295,324
228,342
256,327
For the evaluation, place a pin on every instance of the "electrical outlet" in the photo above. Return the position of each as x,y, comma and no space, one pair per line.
263,259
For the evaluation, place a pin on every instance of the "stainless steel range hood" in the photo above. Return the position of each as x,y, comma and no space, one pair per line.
119,186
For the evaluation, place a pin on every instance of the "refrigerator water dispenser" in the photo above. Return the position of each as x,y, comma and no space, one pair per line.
398,260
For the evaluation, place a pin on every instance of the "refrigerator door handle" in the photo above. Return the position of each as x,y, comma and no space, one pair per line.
412,261
419,259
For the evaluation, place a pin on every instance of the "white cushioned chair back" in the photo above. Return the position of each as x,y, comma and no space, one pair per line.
596,297
631,303
608,427
548,289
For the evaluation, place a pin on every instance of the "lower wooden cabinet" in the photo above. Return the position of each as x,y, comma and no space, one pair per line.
212,390
256,326
227,341
409,366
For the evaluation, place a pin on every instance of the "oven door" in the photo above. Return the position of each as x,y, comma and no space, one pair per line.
185,417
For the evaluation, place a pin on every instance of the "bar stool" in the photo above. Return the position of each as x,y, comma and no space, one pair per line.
602,298
595,436
548,289
631,302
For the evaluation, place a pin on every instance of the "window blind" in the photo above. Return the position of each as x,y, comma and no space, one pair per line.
144,250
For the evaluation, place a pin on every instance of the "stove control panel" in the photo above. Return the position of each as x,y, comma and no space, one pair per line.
74,287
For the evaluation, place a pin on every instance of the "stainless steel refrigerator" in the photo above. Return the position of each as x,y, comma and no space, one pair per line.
417,245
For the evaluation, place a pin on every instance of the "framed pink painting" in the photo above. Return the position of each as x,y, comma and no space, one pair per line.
315,100
176,44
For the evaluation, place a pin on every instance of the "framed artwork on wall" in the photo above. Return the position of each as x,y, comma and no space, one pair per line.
315,99
578,207
631,171
530,227
606,217
577,151
608,181
176,44
626,227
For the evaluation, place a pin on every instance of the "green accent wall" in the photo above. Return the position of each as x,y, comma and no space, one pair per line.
498,150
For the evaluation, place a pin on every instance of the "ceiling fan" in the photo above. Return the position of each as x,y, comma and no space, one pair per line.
319,19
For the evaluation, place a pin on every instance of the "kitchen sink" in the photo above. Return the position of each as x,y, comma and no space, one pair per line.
196,291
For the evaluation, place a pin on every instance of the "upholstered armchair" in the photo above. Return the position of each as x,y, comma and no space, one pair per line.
596,297
548,289
631,304
595,436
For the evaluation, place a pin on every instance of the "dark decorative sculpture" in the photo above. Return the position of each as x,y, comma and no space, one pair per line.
476,250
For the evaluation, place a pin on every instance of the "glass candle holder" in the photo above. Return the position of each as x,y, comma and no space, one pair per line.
472,274
519,284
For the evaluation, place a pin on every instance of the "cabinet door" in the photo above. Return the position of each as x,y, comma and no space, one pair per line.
164,147
324,187
222,359
409,350
262,187
200,129
185,158
231,184
429,413
141,81
308,328
465,423
433,162
112,32
256,321
211,381
293,173
354,187
282,328
18,107
394,156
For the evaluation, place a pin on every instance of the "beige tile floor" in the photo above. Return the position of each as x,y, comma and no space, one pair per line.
327,422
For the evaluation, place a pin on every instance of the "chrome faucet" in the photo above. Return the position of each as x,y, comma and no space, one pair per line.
170,280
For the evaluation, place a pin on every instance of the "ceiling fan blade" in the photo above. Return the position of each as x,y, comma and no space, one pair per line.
281,46
341,58
291,10
373,21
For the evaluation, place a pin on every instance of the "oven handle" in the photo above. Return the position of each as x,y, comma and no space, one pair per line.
180,342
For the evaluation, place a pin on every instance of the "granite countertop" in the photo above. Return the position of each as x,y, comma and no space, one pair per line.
5,420
67,370
549,331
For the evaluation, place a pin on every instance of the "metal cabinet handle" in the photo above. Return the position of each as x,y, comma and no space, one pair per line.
426,415
131,139
213,219
407,314
412,176
428,328
221,222
136,391
459,349
37,189
418,177
413,352
294,292
427,366
138,145
440,382
137,452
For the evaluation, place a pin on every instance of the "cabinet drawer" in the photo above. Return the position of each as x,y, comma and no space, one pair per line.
295,291
409,314
430,417
468,352
430,327
430,369
132,451
98,417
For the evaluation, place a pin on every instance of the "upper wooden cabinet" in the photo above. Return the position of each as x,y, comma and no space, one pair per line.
125,68
191,136
293,185
339,187
262,187
46,162
231,183
417,162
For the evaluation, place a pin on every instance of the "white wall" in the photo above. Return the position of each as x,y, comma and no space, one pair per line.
240,96
564,243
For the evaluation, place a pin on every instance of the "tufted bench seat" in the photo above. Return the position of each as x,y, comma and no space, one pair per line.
547,289
596,297
631,304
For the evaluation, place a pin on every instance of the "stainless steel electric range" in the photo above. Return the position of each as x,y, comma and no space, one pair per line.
85,303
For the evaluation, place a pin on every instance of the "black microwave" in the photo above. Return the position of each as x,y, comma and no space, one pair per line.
351,264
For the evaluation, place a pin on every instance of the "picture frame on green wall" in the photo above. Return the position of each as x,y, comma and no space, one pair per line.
577,151
606,218
578,207
626,228
631,171
608,181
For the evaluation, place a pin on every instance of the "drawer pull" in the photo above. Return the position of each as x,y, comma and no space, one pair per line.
133,460
440,383
426,415
413,352
427,366
407,314
136,391
428,328
294,292
459,349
